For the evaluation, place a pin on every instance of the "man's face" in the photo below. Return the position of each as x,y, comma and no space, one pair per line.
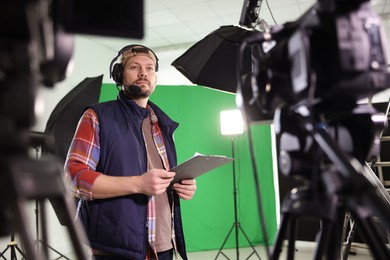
140,70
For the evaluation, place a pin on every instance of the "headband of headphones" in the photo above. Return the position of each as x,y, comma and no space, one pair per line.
116,70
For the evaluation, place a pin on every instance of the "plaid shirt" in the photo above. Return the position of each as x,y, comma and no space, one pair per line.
83,158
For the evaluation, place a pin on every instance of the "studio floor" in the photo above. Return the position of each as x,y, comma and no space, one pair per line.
304,250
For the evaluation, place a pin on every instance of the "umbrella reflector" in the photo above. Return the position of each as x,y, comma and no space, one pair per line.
63,121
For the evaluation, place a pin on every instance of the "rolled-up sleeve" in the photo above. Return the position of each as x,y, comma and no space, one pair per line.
83,156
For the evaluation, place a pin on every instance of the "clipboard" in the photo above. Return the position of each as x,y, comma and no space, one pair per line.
198,165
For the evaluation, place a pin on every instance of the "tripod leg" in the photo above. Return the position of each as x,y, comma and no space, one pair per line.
74,227
247,239
45,250
280,236
24,228
2,253
56,251
327,233
224,242
349,238
42,244
291,238
20,251
378,248
335,227
13,254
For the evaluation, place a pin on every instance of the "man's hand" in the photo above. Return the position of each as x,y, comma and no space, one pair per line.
155,181
185,189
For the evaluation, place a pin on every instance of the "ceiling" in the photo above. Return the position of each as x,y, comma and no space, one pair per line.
173,24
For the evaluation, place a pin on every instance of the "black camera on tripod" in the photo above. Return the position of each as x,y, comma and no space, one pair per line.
35,48
320,66
308,77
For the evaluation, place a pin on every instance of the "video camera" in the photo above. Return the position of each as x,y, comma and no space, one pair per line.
316,71
332,56
36,47
308,77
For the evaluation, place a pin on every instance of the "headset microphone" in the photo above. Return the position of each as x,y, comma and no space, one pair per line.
133,90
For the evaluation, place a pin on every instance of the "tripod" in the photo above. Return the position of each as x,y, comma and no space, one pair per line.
339,186
236,225
38,240
349,221
12,245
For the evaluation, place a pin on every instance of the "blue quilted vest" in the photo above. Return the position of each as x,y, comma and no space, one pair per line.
119,225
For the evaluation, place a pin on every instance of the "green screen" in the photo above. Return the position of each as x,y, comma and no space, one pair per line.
209,216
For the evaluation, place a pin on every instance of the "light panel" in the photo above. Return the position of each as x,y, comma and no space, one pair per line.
231,122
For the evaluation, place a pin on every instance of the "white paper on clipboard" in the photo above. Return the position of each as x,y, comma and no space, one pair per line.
197,165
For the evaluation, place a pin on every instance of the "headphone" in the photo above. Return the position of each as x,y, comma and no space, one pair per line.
116,70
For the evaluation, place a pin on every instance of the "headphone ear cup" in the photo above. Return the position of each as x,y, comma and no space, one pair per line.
117,72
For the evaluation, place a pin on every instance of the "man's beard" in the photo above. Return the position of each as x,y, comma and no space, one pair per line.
136,92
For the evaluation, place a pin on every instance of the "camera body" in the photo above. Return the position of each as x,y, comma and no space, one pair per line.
326,58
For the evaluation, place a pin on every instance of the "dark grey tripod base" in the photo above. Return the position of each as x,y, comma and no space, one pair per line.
345,190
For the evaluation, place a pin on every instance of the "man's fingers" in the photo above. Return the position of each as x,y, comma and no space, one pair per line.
167,175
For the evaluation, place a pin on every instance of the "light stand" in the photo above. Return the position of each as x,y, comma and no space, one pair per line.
38,140
12,245
231,123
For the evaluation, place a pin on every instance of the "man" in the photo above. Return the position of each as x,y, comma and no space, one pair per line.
118,163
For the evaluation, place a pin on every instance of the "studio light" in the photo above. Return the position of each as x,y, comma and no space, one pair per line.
231,122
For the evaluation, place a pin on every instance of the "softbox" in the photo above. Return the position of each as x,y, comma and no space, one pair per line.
212,62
